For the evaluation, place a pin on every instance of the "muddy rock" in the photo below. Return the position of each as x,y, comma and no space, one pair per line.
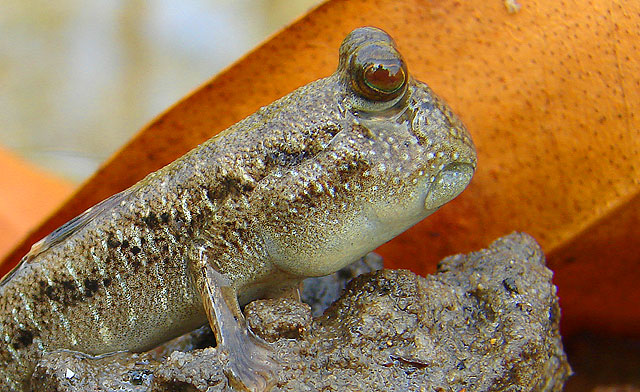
273,319
321,292
487,321
69,371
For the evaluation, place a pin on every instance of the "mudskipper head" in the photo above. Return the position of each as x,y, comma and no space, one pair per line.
418,150
398,155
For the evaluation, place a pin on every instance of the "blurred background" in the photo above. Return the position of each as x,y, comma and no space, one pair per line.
79,78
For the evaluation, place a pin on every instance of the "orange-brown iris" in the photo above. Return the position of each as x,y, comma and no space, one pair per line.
383,78
378,72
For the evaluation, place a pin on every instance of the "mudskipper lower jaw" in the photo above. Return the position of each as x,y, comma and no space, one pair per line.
448,184
301,188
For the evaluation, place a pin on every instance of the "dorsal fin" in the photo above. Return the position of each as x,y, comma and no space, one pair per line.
68,229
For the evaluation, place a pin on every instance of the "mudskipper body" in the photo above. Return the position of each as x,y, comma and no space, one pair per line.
301,188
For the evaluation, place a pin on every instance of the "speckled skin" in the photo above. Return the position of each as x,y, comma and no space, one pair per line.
300,188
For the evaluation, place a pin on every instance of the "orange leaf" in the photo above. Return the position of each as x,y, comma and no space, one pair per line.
23,203
549,94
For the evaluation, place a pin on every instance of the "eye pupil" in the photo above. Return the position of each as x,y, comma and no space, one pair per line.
384,78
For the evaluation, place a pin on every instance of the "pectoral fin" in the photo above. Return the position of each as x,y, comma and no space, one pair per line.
251,366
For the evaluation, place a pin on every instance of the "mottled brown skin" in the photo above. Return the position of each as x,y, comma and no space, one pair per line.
301,188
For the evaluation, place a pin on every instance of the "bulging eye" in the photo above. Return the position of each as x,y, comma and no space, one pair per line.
384,78
378,72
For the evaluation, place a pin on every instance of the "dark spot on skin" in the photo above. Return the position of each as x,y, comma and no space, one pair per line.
112,242
228,186
150,220
164,217
90,287
68,285
135,250
136,265
284,158
22,339
510,285
64,292
50,292
218,193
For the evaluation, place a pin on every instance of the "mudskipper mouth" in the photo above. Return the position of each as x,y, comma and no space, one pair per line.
449,183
